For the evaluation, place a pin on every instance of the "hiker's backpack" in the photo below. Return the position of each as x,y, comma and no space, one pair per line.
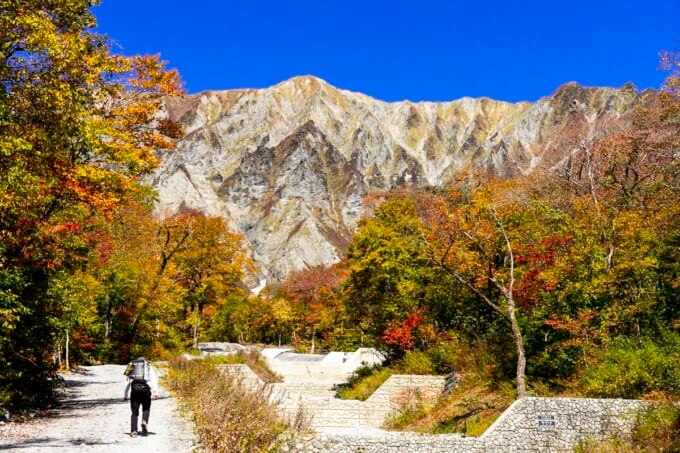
137,371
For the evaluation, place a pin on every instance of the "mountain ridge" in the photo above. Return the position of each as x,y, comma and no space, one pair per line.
312,77
289,165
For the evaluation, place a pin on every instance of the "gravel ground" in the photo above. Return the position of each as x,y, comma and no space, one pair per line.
94,418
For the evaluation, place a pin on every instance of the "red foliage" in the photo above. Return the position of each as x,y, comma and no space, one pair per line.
104,250
83,341
536,259
402,334
67,227
314,287
304,286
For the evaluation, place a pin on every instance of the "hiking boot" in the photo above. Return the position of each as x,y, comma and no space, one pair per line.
144,430
133,434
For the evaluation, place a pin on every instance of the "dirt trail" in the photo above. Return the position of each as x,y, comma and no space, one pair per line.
94,417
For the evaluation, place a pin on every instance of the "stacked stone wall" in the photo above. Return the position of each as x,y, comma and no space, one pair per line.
531,424
558,424
528,425
326,411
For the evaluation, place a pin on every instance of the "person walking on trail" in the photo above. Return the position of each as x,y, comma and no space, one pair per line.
141,383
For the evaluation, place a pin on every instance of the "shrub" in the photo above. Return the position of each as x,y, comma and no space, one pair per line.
659,426
229,416
447,356
416,362
629,371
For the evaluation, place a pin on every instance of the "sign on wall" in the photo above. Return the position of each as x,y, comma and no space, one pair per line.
546,421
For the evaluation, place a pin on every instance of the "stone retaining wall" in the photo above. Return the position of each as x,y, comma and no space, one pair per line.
326,411
528,425
558,424
332,368
382,442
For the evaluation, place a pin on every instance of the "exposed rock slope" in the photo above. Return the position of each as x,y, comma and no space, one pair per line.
289,165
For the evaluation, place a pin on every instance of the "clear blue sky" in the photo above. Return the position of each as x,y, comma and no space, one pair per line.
417,49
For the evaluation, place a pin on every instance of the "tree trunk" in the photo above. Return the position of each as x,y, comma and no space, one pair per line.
521,356
107,319
196,320
313,336
66,358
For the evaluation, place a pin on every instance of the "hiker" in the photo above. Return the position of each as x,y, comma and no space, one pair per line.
140,384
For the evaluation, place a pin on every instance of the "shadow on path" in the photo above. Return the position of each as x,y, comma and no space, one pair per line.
70,408
43,442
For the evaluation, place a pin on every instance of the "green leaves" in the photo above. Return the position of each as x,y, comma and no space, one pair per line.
628,370
389,265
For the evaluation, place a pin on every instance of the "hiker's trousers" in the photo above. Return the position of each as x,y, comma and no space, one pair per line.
137,398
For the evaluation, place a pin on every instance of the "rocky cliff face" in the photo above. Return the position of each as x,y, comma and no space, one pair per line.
289,165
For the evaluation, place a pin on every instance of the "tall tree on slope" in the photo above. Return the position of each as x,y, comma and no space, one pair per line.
77,126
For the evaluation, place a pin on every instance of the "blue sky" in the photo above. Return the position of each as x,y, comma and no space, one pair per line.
393,50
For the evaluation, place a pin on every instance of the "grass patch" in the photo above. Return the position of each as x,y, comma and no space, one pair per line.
477,424
470,409
363,382
230,416
366,380
413,411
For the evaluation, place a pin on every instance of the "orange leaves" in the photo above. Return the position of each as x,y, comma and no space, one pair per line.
132,125
582,329
314,294
150,76
169,128
501,195
309,284
79,123
68,228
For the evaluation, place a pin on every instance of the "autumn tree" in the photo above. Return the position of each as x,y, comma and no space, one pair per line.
210,263
78,124
389,268
140,309
315,299
499,246
624,205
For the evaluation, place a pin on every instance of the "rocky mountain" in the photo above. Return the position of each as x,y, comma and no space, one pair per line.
289,165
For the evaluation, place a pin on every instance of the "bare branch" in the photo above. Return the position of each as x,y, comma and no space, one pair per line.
465,282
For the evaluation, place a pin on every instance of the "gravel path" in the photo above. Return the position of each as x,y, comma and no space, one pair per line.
94,418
